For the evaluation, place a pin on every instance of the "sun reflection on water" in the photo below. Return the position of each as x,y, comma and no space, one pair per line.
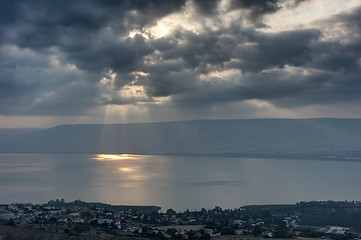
116,157
125,166
125,169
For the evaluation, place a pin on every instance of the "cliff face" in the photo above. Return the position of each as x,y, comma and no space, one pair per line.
190,137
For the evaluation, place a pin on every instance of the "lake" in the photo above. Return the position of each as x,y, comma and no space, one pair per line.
178,182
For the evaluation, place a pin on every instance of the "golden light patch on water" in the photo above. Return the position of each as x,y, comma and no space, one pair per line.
116,157
138,177
125,169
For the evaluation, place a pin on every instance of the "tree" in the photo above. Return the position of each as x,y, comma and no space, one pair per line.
171,212
257,230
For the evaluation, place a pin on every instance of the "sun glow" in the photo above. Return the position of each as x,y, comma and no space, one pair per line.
183,20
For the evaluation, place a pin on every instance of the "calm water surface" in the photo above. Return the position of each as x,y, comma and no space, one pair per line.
178,182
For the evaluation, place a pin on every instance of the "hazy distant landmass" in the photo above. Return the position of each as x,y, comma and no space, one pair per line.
252,136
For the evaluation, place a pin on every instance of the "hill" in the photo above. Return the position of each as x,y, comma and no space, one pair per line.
257,136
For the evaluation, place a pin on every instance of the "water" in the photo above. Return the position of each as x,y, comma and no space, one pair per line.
178,182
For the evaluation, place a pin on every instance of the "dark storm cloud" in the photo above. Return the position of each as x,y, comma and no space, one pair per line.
257,8
206,6
72,24
278,50
272,87
33,83
256,51
120,56
168,83
85,33
54,54
341,55
292,68
198,50
214,51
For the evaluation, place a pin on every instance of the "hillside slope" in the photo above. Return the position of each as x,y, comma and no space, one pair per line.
194,137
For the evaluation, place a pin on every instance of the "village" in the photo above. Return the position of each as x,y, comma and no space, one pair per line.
94,221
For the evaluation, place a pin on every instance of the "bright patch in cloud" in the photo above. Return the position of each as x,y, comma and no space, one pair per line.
305,14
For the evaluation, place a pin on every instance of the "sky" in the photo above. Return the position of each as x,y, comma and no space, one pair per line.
128,61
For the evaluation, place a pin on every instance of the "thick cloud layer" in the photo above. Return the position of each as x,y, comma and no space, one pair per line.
65,58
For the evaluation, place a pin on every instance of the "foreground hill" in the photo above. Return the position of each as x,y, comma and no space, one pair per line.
194,137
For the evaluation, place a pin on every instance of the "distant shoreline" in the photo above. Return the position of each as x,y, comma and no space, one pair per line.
339,156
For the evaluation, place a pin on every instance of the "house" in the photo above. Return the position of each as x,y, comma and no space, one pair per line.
14,207
55,212
28,207
102,221
267,234
210,232
27,221
149,232
192,221
118,224
75,214
78,220
127,226
174,220
238,222
334,230
183,236
65,218
138,229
